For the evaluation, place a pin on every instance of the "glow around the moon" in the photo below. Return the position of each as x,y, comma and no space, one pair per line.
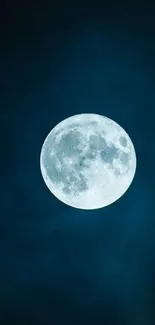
88,161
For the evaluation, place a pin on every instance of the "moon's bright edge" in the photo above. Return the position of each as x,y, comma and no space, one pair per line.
88,161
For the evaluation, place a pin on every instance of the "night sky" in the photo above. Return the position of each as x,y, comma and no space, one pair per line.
60,265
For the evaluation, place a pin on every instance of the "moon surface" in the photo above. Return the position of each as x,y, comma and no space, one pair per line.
88,161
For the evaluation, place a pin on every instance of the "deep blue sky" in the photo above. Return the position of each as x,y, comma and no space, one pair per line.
59,265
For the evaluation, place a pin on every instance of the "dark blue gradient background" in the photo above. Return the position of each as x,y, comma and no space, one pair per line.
59,265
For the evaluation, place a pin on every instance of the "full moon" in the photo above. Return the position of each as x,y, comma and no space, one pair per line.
88,161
